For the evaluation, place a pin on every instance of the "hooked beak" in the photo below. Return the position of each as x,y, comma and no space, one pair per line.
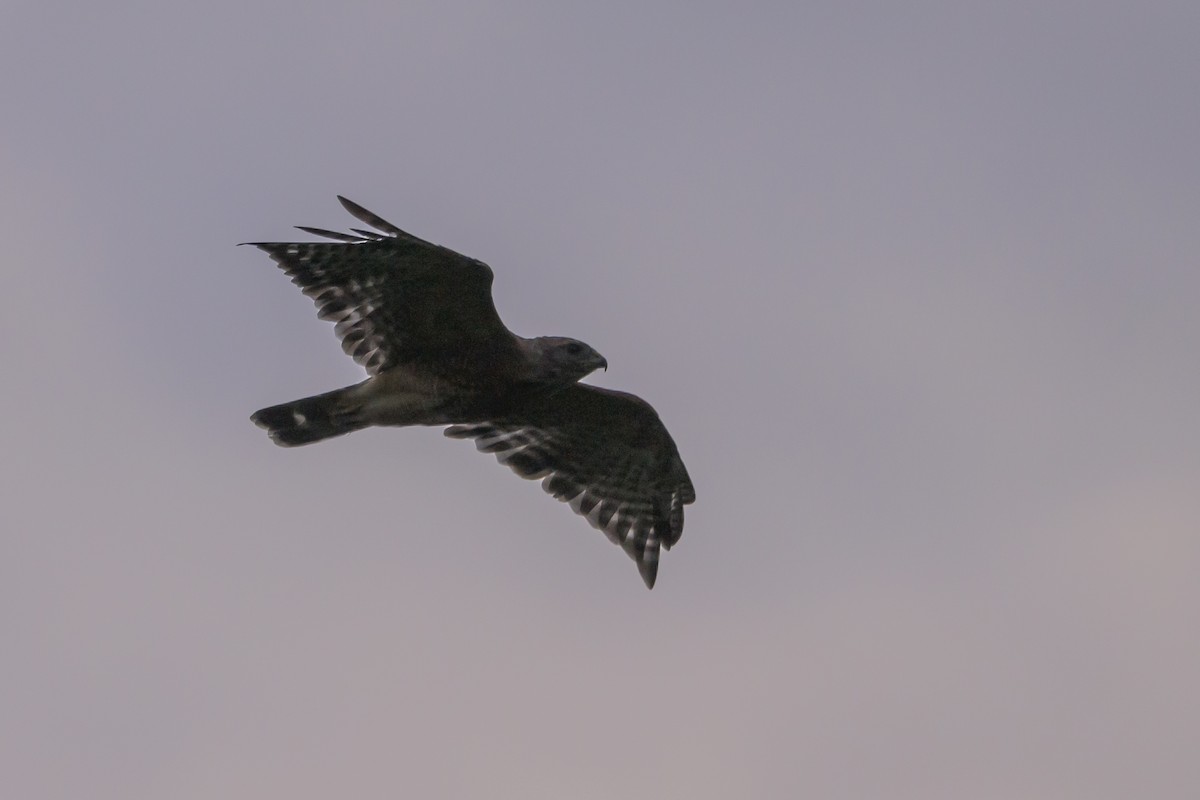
603,363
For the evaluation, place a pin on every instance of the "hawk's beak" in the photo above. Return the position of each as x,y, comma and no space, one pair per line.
603,363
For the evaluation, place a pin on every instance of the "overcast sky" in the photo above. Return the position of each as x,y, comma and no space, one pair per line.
914,286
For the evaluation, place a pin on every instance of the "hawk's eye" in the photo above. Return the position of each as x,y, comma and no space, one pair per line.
574,348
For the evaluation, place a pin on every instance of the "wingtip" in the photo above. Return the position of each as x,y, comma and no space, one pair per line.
370,218
649,572
354,208
328,234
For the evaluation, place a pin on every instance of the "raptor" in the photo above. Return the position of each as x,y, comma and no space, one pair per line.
419,318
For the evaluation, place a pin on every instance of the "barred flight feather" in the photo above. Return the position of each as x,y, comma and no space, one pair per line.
632,512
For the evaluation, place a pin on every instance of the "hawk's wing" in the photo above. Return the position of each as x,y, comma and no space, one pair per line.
396,299
604,452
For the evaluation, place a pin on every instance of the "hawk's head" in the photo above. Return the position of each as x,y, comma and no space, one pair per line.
558,359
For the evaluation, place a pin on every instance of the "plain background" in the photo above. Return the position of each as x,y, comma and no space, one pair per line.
913,285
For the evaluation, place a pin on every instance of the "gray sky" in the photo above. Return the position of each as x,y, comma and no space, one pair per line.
914,287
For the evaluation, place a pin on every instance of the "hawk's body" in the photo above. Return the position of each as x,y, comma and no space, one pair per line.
420,319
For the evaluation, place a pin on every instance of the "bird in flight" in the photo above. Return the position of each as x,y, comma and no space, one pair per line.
419,318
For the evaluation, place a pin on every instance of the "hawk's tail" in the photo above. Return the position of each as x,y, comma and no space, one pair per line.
311,419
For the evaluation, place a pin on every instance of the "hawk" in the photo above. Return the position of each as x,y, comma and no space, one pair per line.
419,318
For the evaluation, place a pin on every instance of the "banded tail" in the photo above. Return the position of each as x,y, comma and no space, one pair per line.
311,419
